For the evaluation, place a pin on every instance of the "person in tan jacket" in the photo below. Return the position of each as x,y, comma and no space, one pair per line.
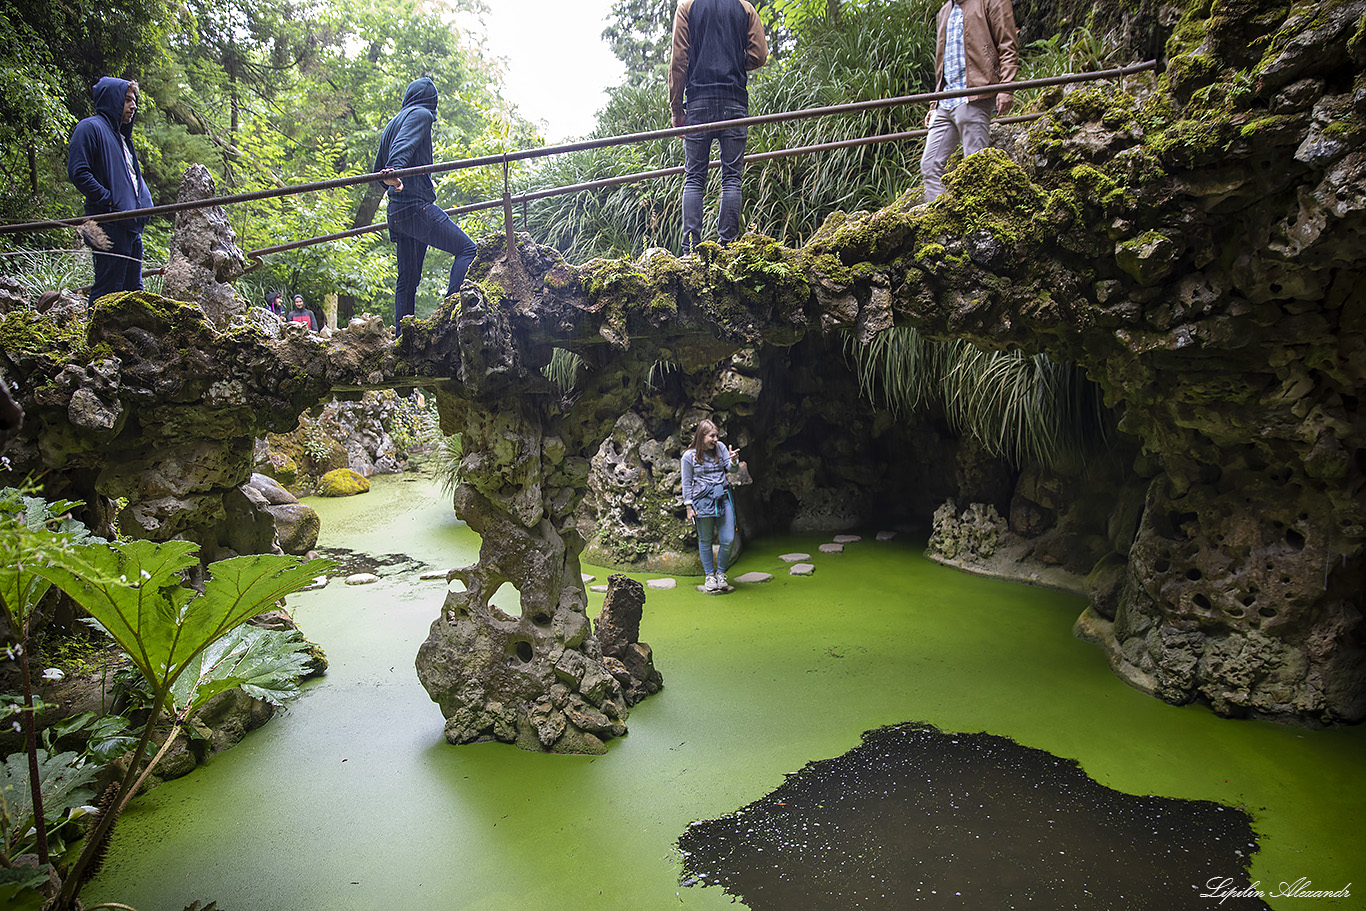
977,45
715,45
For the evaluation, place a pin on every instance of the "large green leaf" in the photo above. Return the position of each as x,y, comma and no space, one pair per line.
32,532
19,887
62,777
266,664
134,589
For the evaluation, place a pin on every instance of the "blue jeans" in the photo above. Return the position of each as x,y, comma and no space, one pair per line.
413,229
696,156
722,527
120,267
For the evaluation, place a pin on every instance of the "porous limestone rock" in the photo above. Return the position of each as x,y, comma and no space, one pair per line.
630,661
204,259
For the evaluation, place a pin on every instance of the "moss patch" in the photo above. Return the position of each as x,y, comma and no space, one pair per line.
342,482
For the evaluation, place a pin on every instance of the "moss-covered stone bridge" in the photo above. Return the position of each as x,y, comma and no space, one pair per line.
1195,243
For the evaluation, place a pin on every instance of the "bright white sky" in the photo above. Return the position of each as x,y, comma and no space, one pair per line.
558,66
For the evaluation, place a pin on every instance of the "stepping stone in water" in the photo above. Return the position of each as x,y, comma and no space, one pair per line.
586,578
719,591
886,535
832,548
754,578
663,584
794,558
320,582
362,579
801,569
847,539
600,589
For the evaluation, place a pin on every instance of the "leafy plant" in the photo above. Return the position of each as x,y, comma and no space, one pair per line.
451,462
563,369
1021,408
135,590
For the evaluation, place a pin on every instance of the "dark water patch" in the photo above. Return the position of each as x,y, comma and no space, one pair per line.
915,817
350,562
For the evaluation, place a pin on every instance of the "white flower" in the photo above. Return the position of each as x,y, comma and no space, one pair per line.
145,574
17,728
53,673
78,812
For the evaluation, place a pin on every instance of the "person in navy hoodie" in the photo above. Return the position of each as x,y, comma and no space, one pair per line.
103,166
416,222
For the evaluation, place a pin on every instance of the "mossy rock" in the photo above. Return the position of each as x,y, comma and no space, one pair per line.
342,482
282,468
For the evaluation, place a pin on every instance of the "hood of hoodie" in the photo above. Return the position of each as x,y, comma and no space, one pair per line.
421,92
110,93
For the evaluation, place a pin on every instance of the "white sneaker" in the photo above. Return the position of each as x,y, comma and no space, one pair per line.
710,584
721,583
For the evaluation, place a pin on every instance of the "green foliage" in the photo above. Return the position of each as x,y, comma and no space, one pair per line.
1021,408
640,34
62,777
900,362
563,369
39,271
134,590
411,425
265,664
32,532
450,467
881,49
264,93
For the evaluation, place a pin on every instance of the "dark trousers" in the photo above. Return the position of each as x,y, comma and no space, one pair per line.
414,229
696,156
120,267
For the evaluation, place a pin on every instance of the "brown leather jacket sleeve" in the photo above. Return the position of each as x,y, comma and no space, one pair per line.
991,42
678,64
756,51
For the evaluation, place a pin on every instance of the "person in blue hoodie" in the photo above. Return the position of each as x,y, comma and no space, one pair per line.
102,164
416,222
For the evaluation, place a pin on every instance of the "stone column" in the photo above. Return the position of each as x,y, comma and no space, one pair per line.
329,311
527,668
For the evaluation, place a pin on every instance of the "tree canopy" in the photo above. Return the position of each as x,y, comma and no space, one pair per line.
265,93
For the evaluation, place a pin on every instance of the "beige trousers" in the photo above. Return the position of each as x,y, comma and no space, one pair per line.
968,125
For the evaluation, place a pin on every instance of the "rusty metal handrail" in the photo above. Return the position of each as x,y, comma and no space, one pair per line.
622,179
586,145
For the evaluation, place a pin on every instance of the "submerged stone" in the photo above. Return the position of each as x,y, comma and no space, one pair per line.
918,817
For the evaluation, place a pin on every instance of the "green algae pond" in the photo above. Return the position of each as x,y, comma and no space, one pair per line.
351,799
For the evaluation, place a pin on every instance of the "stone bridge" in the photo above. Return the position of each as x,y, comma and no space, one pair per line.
1194,242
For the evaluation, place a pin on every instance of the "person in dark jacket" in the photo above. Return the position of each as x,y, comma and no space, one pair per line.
102,164
415,220
716,43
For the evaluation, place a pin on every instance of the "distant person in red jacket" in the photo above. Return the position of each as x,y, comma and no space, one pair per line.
301,314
